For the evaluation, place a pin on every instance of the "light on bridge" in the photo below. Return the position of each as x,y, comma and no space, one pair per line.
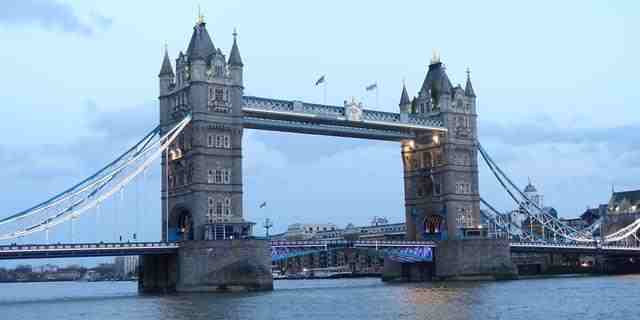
436,139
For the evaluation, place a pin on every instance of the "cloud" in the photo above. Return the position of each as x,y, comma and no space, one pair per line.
51,15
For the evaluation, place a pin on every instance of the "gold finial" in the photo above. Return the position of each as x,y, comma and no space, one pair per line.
468,73
436,57
404,82
235,34
166,47
200,18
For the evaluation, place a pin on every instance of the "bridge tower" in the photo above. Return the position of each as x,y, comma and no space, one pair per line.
202,171
441,171
202,177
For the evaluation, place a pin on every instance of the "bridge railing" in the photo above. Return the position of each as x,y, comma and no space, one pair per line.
83,246
334,112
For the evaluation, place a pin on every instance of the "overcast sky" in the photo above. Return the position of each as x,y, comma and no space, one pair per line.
556,85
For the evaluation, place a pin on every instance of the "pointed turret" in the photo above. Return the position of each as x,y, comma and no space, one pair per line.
166,69
468,89
404,96
436,81
200,45
234,56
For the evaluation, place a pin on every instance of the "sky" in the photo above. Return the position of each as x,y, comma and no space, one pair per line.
556,85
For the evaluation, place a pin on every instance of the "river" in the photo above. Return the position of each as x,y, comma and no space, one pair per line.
610,298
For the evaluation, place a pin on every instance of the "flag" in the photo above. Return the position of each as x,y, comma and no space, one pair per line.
372,87
264,204
320,80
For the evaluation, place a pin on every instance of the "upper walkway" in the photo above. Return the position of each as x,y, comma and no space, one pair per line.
351,121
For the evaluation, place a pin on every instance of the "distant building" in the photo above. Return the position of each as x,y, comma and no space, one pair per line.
626,202
536,208
126,266
306,231
591,215
623,209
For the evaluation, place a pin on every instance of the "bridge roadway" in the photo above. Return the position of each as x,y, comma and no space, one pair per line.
68,250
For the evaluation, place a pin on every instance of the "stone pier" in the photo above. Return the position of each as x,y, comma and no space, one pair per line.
209,266
474,259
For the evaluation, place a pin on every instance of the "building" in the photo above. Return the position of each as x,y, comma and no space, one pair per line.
623,209
126,266
535,207
626,202
442,199
202,169
307,231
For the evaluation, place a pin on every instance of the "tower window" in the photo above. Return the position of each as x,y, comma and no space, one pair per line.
210,141
219,208
219,94
226,176
219,70
218,176
210,215
210,177
227,206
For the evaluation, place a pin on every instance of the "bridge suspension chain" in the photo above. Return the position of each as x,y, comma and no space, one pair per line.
549,222
90,192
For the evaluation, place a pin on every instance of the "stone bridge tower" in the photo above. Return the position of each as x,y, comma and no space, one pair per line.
202,171
441,171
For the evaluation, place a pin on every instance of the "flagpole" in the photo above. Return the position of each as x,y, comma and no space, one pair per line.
377,103
325,92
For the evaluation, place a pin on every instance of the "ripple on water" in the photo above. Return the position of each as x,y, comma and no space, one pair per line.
612,298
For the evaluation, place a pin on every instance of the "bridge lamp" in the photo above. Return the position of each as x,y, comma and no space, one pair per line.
436,139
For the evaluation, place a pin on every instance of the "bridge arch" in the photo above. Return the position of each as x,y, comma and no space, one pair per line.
181,224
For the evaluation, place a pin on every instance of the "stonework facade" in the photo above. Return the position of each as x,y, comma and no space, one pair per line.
202,170
441,171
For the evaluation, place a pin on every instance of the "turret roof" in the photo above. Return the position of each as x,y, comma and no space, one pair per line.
437,79
404,96
200,45
234,56
468,89
166,68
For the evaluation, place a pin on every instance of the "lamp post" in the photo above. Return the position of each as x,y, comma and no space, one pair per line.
267,222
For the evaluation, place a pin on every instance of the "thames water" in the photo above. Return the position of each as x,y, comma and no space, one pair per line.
611,298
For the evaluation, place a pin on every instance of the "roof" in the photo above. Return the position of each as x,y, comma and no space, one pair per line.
404,97
200,45
468,88
632,196
166,68
234,56
437,79
530,188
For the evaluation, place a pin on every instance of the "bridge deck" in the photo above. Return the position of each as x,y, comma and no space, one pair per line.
40,251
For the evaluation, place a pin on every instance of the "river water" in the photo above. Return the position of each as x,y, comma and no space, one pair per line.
610,298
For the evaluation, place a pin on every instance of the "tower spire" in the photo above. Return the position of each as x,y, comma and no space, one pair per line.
435,58
200,18
234,56
404,96
468,90
167,68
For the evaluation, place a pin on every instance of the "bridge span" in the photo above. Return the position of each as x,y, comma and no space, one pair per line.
280,249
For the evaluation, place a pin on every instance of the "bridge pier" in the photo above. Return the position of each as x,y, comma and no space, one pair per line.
407,272
158,273
209,266
488,259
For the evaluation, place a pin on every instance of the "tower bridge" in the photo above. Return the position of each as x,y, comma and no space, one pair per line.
206,244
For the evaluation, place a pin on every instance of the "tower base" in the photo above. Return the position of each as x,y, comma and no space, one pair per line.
210,266
481,259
